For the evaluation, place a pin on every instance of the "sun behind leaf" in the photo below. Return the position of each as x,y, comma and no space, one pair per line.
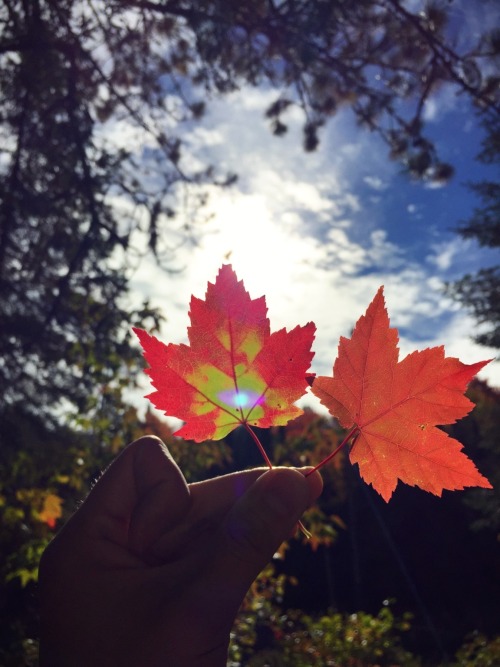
234,370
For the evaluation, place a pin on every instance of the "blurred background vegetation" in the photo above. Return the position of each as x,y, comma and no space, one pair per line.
413,582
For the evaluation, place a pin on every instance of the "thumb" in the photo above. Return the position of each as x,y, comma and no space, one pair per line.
267,515
256,526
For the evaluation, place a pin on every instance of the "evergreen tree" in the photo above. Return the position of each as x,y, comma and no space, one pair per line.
480,292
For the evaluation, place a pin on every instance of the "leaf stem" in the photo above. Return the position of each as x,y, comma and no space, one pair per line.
344,442
259,445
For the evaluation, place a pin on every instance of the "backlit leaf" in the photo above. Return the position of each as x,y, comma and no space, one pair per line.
394,407
234,370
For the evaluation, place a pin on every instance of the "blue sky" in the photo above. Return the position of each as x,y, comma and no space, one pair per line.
318,233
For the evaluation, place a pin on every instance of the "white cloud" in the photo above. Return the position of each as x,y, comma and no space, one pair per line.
441,103
375,182
207,137
443,254
460,346
284,191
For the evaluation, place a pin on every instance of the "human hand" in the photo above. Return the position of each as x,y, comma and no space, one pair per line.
150,571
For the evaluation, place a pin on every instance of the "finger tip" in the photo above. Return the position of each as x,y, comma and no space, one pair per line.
148,443
292,483
315,482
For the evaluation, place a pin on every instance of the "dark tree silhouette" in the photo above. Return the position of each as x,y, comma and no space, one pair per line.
480,292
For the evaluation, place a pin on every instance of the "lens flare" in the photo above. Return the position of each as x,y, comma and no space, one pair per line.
240,398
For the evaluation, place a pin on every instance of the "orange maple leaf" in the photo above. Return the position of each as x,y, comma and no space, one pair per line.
234,370
393,408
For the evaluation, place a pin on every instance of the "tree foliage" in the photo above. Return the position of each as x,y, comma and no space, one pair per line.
480,430
266,634
480,292
64,464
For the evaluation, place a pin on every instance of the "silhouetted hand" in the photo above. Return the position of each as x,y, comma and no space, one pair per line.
150,571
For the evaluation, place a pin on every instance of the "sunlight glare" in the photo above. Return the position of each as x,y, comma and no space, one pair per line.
267,254
240,399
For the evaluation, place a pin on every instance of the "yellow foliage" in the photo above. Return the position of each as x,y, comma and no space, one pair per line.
52,509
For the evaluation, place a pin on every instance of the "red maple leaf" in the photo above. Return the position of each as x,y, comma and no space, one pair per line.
392,408
234,370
